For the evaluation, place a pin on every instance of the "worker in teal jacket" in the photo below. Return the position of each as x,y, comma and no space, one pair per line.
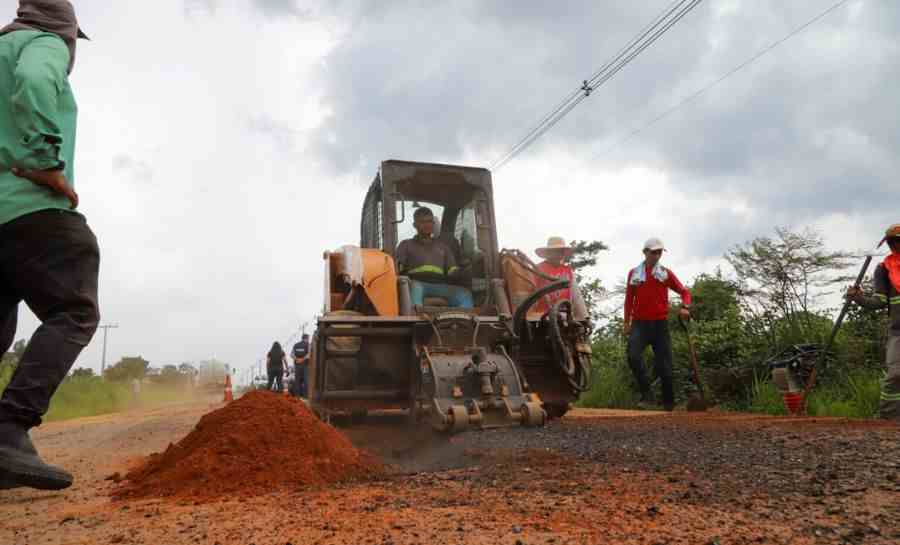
48,255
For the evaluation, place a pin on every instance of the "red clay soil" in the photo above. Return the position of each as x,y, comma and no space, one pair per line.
260,443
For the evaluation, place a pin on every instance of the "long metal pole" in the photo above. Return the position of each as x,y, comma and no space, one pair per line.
105,329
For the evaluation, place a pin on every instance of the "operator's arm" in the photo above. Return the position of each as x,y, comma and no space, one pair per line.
401,257
40,77
879,299
676,286
449,261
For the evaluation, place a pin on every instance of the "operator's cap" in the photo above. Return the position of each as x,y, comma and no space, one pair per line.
654,244
891,232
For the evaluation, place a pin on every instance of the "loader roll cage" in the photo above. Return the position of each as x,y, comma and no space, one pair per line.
494,364
461,199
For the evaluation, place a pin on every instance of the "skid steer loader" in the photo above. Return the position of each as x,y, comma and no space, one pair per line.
513,359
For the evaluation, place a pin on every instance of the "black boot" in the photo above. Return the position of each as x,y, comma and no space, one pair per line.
20,464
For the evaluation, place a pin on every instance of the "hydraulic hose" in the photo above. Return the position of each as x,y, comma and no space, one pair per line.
521,310
578,367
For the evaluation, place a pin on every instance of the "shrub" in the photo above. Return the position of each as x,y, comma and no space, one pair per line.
765,398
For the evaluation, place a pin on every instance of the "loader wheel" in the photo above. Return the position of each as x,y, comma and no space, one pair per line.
556,409
459,419
533,415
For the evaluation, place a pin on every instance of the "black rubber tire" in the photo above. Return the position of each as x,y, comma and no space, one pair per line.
556,409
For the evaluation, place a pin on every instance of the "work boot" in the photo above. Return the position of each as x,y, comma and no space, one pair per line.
20,464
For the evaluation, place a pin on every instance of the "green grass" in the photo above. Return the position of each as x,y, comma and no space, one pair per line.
77,397
765,398
612,388
856,395
90,396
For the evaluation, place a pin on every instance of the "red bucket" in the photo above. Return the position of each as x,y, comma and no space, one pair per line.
793,402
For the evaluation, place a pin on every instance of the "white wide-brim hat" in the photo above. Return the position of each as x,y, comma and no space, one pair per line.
555,243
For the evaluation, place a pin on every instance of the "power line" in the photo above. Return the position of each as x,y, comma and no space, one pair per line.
725,76
646,37
579,93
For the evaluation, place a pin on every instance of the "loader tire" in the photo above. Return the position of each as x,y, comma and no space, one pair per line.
556,409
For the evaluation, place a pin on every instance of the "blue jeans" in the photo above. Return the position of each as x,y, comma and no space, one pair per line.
456,296
301,379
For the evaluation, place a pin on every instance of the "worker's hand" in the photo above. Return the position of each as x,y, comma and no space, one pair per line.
854,293
54,180
684,314
626,329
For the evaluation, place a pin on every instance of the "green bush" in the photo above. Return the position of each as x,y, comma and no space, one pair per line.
613,388
857,396
765,398
77,397
613,385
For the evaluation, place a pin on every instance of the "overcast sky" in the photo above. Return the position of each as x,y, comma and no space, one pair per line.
223,145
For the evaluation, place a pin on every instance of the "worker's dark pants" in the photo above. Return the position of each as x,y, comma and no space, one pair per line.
300,379
276,375
890,387
50,260
654,333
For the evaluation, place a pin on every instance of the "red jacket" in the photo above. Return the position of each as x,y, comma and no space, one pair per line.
650,300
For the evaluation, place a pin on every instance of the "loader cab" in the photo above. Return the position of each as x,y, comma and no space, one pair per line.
462,201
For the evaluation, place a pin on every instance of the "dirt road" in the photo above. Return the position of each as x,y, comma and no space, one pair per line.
594,477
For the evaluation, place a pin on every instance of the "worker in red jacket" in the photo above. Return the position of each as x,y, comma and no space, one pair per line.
555,254
646,313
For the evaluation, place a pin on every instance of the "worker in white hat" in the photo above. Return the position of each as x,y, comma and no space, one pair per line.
555,255
646,320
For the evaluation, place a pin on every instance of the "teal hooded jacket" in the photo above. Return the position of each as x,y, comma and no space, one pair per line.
37,120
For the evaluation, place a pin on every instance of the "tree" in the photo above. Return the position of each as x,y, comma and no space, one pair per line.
83,372
782,279
127,369
713,296
584,255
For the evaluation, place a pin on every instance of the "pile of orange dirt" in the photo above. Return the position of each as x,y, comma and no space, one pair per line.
259,443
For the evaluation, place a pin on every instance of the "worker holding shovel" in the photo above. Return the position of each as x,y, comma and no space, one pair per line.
646,313
887,294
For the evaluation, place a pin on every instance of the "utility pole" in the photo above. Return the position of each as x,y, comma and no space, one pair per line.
105,329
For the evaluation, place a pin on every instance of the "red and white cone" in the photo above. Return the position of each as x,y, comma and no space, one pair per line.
229,395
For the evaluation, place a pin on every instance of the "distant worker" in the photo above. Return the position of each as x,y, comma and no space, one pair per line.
300,353
430,265
646,313
275,362
555,254
887,295
49,257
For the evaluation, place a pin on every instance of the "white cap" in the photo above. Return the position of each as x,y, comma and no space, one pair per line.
654,244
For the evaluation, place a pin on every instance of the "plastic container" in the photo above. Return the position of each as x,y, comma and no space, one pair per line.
793,402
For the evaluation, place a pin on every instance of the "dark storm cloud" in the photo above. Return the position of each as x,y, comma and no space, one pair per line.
809,129
429,81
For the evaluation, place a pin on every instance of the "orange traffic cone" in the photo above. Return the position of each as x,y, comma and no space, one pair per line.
229,396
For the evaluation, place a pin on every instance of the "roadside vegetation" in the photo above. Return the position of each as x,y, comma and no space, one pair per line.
771,303
84,393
